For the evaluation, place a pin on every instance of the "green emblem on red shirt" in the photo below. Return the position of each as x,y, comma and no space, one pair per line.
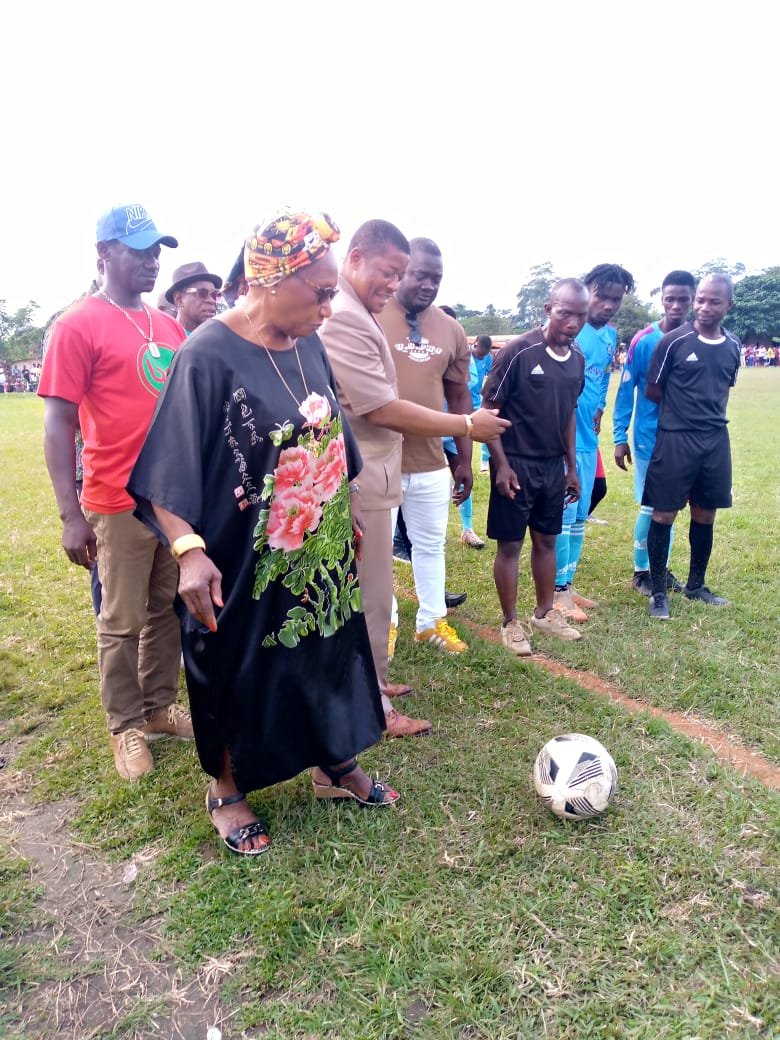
154,360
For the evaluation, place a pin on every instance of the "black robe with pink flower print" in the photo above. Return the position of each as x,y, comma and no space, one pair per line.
287,680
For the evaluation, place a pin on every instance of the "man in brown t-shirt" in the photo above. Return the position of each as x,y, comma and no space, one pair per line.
431,356
365,375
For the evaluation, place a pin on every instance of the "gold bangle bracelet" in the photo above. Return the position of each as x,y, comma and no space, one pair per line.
184,543
469,424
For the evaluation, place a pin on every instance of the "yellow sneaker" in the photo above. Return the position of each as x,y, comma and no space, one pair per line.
392,638
443,637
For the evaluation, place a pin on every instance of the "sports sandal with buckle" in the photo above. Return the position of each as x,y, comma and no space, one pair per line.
239,834
378,796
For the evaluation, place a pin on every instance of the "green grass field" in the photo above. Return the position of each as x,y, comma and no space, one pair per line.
466,913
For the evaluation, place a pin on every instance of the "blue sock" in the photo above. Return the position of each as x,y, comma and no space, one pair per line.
576,539
466,510
641,527
562,557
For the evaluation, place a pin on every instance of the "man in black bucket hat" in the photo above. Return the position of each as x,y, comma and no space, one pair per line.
194,293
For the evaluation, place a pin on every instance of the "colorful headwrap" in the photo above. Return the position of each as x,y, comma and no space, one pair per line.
283,245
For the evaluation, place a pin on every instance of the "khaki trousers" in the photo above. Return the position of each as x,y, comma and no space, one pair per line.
375,573
139,638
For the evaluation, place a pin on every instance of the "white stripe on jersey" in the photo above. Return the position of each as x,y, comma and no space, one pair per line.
669,347
574,346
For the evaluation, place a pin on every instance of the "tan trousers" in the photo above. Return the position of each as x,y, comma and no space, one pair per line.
139,638
375,572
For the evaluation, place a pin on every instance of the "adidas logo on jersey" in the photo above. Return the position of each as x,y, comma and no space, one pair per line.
691,357
538,371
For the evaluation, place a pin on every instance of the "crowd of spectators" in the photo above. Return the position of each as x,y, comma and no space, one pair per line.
20,379
759,356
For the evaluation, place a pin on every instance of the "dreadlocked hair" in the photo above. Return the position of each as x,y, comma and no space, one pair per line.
603,274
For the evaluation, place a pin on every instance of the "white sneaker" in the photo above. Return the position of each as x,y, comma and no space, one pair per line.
555,624
469,537
516,638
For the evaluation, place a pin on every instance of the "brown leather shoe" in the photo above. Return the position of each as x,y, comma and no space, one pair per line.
398,690
582,601
172,721
132,757
564,604
398,725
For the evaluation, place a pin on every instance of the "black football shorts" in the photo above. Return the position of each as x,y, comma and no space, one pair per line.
689,466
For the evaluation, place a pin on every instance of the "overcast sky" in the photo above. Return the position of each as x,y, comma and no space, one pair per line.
641,133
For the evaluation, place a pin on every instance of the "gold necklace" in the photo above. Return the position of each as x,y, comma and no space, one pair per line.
154,350
276,367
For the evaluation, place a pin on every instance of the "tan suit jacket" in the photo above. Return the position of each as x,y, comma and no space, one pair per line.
365,379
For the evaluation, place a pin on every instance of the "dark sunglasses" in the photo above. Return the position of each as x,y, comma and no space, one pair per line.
325,293
203,294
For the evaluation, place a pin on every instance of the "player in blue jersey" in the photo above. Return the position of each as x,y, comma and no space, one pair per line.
690,375
676,297
607,285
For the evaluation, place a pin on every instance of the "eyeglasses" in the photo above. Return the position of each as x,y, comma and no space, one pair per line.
203,294
325,293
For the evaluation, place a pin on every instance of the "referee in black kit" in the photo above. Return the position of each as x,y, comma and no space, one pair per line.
690,375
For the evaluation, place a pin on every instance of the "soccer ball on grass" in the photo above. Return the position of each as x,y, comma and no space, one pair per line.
575,776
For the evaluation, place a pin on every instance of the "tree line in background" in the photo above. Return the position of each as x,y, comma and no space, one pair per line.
755,314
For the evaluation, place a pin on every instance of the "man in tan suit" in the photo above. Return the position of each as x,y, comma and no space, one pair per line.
365,374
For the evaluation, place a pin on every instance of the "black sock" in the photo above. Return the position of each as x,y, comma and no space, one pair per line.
658,538
700,537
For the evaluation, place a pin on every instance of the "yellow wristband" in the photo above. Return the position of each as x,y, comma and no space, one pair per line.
186,542
469,425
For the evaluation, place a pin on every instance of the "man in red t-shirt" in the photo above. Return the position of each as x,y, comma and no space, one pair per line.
105,366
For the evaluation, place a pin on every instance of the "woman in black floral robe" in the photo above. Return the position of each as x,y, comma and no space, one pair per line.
246,471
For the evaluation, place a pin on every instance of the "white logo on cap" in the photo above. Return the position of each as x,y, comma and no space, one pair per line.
137,219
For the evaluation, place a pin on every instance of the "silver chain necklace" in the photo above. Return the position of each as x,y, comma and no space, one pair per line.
154,350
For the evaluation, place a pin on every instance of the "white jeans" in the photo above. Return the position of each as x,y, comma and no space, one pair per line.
426,506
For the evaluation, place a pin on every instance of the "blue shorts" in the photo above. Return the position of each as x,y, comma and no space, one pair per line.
586,471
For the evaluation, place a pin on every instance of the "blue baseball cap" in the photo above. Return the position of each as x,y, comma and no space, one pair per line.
132,226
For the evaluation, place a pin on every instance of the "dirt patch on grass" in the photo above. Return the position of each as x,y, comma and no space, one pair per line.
726,748
97,956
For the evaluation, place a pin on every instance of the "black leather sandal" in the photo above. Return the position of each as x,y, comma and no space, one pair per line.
239,834
378,796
